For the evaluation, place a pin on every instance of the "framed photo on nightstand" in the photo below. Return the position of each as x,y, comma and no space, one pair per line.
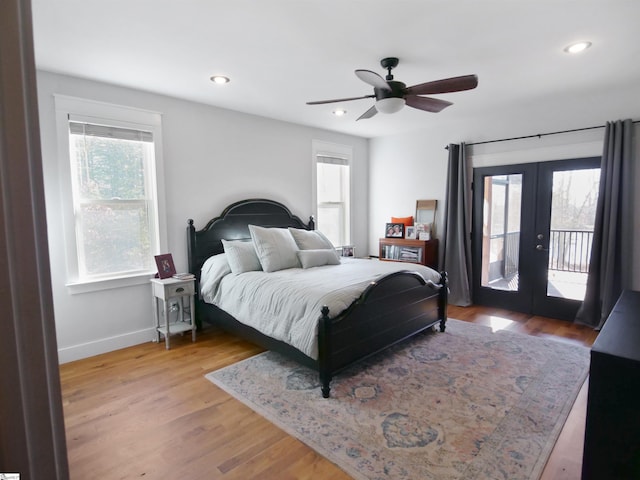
166,267
348,251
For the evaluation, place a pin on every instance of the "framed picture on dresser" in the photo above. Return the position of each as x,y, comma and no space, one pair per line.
394,230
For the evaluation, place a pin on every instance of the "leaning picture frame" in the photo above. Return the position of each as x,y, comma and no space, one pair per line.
394,230
410,232
423,231
348,251
166,267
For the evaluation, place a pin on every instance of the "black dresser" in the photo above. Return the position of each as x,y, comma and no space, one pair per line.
612,436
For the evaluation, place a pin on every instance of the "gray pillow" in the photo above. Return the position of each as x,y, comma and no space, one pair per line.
317,258
275,248
241,256
310,239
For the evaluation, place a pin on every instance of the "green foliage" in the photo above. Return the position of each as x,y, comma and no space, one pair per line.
113,231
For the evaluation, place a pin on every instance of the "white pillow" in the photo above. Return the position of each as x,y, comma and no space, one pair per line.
317,258
310,239
275,247
241,256
213,271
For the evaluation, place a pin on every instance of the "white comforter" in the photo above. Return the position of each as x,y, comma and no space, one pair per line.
286,304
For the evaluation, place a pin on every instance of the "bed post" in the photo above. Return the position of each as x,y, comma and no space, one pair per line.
312,223
324,351
443,300
191,246
191,265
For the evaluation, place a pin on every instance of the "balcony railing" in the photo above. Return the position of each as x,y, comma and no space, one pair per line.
570,250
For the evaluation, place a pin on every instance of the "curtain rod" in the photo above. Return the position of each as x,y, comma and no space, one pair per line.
539,135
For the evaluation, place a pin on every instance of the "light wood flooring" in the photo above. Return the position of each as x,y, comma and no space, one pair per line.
148,413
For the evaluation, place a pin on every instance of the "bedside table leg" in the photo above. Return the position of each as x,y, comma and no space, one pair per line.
192,315
156,316
166,323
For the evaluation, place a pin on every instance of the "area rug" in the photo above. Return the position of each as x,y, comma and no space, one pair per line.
469,403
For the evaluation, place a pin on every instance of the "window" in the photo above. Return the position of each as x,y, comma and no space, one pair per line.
332,188
112,221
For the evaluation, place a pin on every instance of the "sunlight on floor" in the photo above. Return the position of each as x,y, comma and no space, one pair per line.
497,323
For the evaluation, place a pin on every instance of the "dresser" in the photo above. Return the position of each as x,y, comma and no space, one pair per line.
424,252
612,434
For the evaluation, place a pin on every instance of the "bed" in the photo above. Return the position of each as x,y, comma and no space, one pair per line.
394,307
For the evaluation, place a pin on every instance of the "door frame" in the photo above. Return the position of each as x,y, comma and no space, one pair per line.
531,296
542,304
518,300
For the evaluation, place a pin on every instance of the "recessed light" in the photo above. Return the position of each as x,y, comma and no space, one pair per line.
220,79
577,47
339,112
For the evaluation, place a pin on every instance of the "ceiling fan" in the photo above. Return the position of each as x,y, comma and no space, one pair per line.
391,95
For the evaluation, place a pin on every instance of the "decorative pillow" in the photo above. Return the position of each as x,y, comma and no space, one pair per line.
408,221
317,258
213,271
310,239
241,256
276,248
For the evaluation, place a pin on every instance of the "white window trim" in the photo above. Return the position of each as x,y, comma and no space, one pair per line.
328,149
118,116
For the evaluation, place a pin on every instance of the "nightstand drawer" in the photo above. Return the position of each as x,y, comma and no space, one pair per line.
165,289
183,288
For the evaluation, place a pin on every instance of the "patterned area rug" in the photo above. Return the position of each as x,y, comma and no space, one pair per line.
464,404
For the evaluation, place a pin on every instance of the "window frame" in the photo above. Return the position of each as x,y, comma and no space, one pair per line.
345,152
80,109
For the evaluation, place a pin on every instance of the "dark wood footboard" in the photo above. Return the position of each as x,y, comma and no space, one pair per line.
390,310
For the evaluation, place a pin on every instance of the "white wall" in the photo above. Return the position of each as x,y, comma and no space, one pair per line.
412,166
212,157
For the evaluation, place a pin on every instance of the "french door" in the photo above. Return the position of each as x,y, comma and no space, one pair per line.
532,235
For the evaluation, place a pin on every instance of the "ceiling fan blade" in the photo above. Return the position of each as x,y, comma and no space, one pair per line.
373,79
368,114
446,85
426,103
320,102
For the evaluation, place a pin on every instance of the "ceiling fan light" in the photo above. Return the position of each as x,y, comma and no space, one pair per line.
220,79
390,105
577,47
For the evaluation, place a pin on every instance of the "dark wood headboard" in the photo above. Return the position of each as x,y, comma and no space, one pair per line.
233,224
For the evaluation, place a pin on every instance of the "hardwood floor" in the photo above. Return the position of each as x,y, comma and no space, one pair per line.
145,412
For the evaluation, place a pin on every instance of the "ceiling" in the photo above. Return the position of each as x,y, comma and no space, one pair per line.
280,54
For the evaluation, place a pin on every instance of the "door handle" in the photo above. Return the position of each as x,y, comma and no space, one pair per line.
540,248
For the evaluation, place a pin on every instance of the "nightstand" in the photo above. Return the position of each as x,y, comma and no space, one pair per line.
166,293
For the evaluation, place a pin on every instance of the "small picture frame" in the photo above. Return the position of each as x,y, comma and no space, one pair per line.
348,251
166,267
410,232
423,231
394,230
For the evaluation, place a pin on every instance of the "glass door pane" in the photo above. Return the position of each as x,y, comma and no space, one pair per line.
573,213
501,232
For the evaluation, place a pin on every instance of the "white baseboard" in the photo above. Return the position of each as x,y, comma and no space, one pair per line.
104,345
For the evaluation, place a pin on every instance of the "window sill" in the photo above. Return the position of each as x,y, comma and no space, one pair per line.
108,284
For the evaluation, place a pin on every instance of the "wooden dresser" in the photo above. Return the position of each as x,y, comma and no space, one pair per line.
612,435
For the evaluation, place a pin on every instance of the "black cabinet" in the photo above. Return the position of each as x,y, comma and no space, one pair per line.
612,435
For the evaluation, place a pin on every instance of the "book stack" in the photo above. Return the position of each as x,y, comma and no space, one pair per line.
184,276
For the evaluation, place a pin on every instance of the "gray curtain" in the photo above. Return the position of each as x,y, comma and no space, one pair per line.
611,253
457,227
